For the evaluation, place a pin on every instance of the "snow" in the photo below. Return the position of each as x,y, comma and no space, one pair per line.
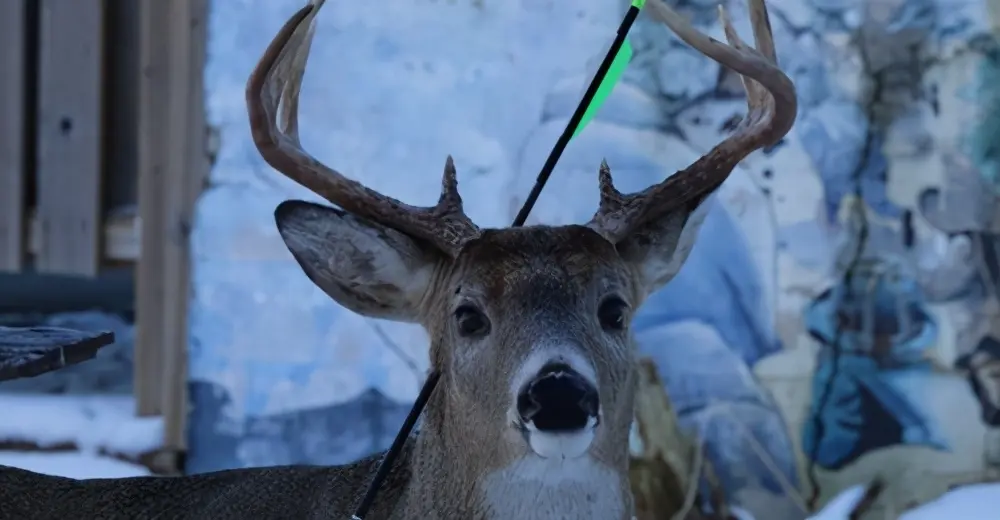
85,429
968,503
71,464
105,423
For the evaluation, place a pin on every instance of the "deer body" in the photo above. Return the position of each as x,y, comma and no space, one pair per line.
529,327
281,493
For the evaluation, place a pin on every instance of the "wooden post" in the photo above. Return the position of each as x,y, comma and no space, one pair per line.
71,73
152,112
172,146
13,48
188,165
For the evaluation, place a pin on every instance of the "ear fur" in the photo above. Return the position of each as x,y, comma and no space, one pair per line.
659,249
368,268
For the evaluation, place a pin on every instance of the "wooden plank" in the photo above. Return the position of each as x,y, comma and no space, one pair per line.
69,135
121,237
32,351
187,164
154,52
13,49
171,146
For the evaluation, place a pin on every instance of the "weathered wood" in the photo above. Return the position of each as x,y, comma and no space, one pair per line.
172,146
120,233
186,140
32,351
69,145
13,48
154,48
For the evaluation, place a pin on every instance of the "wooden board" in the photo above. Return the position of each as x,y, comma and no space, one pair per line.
171,146
121,237
32,351
188,134
69,136
13,49
150,283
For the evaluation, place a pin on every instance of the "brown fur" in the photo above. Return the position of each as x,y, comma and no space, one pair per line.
537,285
278,493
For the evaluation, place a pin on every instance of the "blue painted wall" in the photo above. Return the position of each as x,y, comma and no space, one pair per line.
280,374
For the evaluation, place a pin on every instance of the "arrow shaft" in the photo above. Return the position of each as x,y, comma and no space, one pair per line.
581,109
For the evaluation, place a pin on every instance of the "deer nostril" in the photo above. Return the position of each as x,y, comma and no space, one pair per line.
558,400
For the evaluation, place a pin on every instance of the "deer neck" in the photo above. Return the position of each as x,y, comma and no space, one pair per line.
461,470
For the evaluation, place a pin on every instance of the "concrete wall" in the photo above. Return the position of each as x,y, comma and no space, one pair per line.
896,136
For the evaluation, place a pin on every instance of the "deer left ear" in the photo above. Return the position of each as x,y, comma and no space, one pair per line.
368,268
658,250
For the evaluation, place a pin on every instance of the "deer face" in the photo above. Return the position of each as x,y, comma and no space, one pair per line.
534,337
528,326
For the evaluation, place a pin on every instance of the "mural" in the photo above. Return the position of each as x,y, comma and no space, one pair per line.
871,329
838,318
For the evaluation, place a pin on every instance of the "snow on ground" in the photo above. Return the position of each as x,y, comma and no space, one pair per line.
71,464
91,423
95,425
975,502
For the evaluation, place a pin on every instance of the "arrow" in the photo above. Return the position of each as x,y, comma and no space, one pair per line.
615,69
600,87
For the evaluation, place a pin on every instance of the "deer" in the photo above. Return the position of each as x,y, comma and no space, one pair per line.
528,326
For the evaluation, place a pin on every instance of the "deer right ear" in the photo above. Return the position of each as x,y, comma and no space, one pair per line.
368,268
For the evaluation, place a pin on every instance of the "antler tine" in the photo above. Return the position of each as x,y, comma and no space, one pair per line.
272,103
772,110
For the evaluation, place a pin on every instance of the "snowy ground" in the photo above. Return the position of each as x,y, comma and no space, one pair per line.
86,430
71,464
967,503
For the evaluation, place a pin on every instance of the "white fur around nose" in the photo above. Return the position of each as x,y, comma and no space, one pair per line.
561,445
567,445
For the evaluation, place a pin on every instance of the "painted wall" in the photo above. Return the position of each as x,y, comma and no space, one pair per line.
890,174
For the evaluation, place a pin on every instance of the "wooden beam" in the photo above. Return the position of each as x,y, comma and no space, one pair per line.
32,351
121,237
69,140
172,138
13,48
187,165
153,85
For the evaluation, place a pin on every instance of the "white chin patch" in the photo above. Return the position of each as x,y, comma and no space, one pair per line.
569,445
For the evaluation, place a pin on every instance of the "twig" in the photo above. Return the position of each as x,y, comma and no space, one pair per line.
396,349
765,459
692,491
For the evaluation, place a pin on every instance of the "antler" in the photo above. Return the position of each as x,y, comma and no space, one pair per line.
772,109
274,85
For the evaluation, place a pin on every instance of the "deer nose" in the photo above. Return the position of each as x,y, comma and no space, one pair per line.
558,400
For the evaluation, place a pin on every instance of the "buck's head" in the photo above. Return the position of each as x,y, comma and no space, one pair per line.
529,326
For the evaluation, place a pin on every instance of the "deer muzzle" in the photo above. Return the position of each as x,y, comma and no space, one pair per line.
558,410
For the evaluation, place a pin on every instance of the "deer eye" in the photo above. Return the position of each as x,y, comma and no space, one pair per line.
611,313
471,322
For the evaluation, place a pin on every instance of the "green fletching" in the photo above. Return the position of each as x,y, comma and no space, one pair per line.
614,74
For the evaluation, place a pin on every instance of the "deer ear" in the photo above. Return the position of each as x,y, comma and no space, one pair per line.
658,250
368,268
